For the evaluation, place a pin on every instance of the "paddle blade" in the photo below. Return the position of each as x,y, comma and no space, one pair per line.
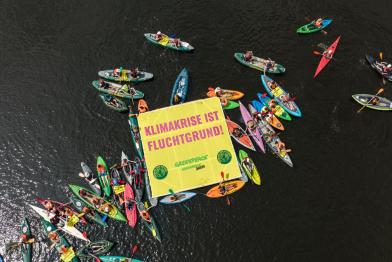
134,250
222,175
264,95
381,55
228,201
97,259
227,175
171,191
316,53
81,175
380,91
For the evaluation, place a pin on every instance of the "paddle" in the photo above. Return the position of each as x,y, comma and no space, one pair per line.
368,103
309,20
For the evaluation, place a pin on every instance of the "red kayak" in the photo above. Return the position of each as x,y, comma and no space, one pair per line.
130,210
327,56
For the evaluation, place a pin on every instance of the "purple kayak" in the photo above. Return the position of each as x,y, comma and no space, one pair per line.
255,133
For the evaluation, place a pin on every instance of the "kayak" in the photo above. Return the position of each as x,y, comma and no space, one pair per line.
241,137
250,168
26,249
271,138
126,168
324,60
113,103
73,231
70,255
135,134
179,198
311,28
118,259
231,187
259,64
226,93
93,182
270,118
125,76
378,67
255,132
60,206
230,105
138,181
96,248
130,210
180,87
104,176
167,42
153,200
276,91
113,213
279,111
152,226
119,90
93,216
364,99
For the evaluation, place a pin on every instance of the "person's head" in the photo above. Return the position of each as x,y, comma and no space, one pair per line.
389,65
85,210
82,192
135,129
176,99
159,33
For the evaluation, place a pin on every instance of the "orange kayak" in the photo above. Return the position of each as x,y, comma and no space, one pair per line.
226,93
275,122
239,135
229,188
142,105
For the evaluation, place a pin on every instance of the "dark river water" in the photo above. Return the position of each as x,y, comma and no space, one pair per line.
335,204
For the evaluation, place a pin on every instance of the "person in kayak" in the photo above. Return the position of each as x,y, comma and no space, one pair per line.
177,42
374,101
386,69
272,104
328,53
54,238
106,208
271,84
25,239
134,72
158,36
270,65
142,108
251,125
237,133
248,56
318,22
218,91
103,84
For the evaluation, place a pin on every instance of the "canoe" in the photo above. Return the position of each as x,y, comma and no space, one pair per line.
377,66
125,76
259,64
152,226
114,213
94,182
311,28
231,105
60,206
104,176
250,169
226,93
73,231
180,87
255,132
179,198
96,248
113,103
118,90
93,217
138,181
279,111
153,200
118,259
168,43
231,187
364,99
277,92
48,227
270,118
271,138
324,60
26,249
130,210
126,168
242,138
133,125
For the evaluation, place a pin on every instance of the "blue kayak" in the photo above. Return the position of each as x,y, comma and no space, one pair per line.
180,88
280,96
179,198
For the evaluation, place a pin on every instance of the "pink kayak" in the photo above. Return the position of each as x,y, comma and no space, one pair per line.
255,133
130,210
324,59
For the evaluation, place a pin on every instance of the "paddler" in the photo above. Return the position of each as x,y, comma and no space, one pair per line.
106,208
177,42
280,146
134,72
269,65
375,100
25,239
218,91
158,36
271,84
248,56
387,69
318,23
54,237
328,53
272,105
142,108
251,125
237,132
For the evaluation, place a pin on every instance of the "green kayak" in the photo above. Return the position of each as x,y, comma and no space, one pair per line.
48,227
124,91
168,42
94,217
259,64
249,167
118,259
113,103
231,105
113,213
26,248
95,248
311,28
125,76
104,176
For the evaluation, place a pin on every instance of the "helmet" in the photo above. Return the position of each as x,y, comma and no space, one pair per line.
389,65
159,32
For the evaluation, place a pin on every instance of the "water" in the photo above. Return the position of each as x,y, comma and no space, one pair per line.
335,204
